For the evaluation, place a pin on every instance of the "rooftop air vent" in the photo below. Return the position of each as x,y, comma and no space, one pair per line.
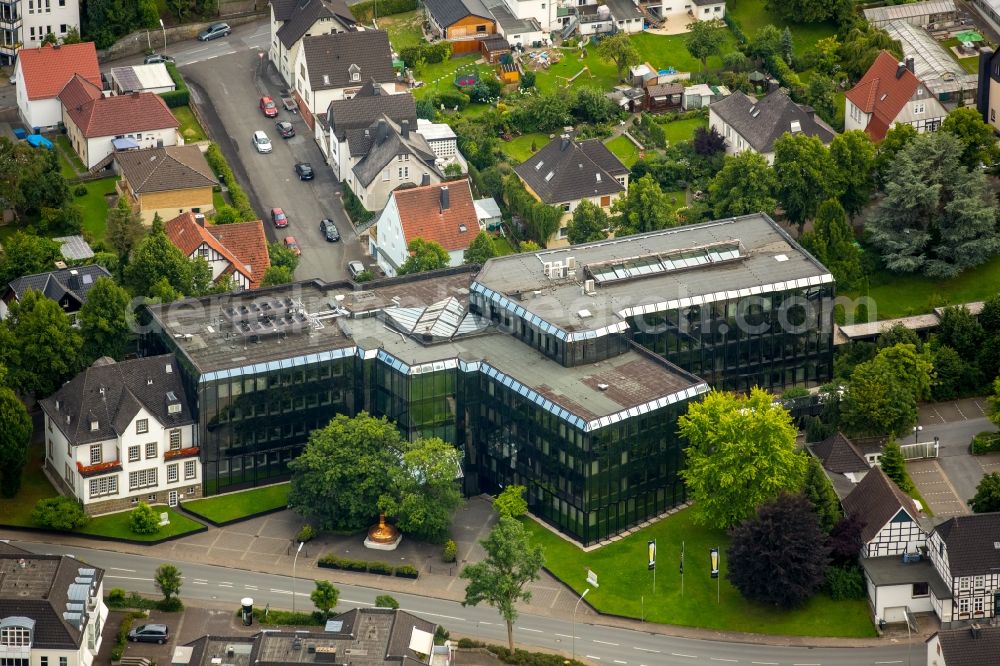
781,257
585,314
603,387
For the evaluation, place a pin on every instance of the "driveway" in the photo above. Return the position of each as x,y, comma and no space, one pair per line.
228,89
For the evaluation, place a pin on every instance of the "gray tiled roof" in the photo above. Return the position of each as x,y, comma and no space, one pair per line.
876,500
839,454
764,121
960,647
305,14
972,544
330,57
112,394
380,154
165,169
565,170
446,12
511,24
623,10
360,112
283,9
73,282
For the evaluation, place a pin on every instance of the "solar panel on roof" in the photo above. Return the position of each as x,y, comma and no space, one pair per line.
334,626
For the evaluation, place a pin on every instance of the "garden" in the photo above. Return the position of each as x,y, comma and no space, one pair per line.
226,508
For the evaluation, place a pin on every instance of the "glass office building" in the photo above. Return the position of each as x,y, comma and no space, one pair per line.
564,371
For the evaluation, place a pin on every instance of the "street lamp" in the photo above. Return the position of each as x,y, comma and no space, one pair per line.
916,432
164,29
294,561
574,620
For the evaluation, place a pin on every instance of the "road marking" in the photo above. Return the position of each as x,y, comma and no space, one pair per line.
225,584
806,665
721,659
560,635
199,582
765,663
605,642
448,617
281,591
537,631
250,587
678,654
898,661
120,569
647,650
619,661
129,578
590,656
363,603
485,622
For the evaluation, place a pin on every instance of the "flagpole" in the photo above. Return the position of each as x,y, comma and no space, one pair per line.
682,568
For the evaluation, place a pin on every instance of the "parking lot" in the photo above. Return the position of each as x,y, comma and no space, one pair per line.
228,89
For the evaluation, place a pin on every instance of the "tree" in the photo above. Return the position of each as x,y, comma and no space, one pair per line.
805,174
979,145
26,254
705,39
993,403
15,435
644,207
104,321
511,562
72,36
589,223
386,601
952,375
861,45
424,256
619,49
50,39
511,502
481,249
768,566
853,156
168,581
936,218
876,401
832,242
45,349
960,330
745,184
845,540
276,275
821,92
987,499
989,316
591,105
892,463
898,334
741,452
338,479
708,141
59,513
542,113
766,42
282,257
787,45
143,519
155,258
423,492
325,597
819,491
898,137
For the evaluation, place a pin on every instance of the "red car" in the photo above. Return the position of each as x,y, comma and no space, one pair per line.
279,218
268,107
293,245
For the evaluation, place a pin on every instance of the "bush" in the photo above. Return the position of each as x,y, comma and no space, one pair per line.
143,519
985,442
365,11
116,597
59,513
406,571
450,553
385,601
80,190
307,533
171,605
355,565
429,53
845,583
117,652
355,209
179,97
123,628
241,202
452,98
287,618
380,568
518,657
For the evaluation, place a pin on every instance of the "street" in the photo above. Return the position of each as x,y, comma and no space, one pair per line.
593,642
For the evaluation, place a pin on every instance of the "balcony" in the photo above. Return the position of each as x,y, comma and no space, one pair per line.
10,49
99,468
189,452
10,22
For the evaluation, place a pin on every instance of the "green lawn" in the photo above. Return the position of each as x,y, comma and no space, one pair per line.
626,586
34,486
970,64
116,526
600,74
190,129
95,207
683,130
752,15
404,29
218,200
663,51
438,77
503,246
898,295
239,504
677,198
624,149
519,148
69,162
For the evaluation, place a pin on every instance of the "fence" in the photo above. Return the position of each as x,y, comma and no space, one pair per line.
920,450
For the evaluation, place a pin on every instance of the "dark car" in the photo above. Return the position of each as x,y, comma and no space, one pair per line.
305,171
285,129
157,58
279,218
213,31
150,633
329,230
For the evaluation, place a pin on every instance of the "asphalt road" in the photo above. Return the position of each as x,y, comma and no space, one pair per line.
594,643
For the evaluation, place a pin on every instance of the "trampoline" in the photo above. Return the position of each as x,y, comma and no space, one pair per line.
466,79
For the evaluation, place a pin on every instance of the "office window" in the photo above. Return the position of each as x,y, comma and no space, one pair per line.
107,485
134,453
142,478
63,661
141,426
175,440
151,450
95,454
44,661
172,473
15,636
190,471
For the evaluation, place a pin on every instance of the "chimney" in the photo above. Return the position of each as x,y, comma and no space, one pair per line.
199,219
445,198
404,128
135,94
900,68
909,65
425,179
381,131
811,112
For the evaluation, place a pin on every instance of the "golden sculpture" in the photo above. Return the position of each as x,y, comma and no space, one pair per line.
383,532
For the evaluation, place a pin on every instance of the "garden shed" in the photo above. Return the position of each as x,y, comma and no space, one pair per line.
494,48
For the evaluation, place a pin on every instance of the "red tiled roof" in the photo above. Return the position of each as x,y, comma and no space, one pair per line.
243,244
97,115
881,93
48,69
421,215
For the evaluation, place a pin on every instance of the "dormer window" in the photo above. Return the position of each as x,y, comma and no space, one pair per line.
355,72
174,408
16,631
94,425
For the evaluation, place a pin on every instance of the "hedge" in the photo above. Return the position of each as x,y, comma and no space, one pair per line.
429,53
518,657
239,198
179,97
331,561
355,209
986,442
364,11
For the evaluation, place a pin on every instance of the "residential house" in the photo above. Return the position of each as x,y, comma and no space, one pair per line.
965,551
682,12
142,78
237,250
707,10
518,22
747,123
52,609
66,286
336,66
988,97
891,517
25,23
701,95
291,20
459,19
607,16
42,73
443,213
169,181
565,172
396,157
898,587
97,126
345,136
968,646
891,94
934,15
118,433
845,464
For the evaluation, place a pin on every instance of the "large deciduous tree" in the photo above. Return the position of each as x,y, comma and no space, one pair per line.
45,348
806,175
481,249
589,223
861,45
876,401
619,49
745,184
960,330
979,144
104,321
325,597
741,452
987,497
15,435
853,156
26,254
154,259
644,207
705,39
832,242
124,229
425,255
780,555
819,491
511,562
423,489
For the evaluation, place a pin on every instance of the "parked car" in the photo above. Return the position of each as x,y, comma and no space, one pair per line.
279,218
329,230
268,107
285,129
355,268
214,31
157,58
304,170
261,142
149,633
293,245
